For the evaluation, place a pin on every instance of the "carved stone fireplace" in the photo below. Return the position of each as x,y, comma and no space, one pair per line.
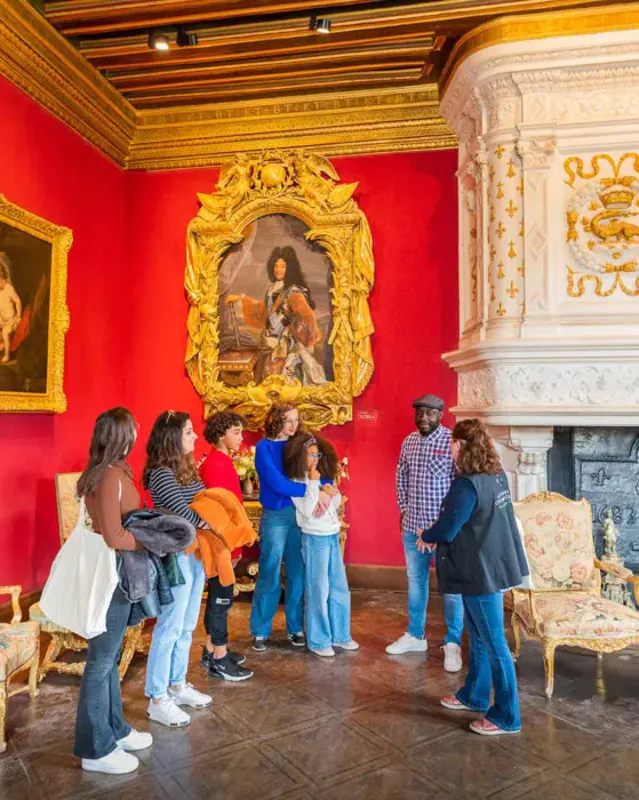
549,251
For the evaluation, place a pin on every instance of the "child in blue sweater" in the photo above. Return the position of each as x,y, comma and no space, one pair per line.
280,535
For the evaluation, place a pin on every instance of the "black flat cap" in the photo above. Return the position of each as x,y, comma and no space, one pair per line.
429,401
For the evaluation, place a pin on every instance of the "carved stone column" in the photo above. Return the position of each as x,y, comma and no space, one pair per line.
523,453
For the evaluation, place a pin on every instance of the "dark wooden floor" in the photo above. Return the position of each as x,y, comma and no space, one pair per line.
361,726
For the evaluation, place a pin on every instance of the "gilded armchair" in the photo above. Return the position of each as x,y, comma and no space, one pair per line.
565,607
62,639
19,650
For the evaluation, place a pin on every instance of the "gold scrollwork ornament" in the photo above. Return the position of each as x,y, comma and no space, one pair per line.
304,185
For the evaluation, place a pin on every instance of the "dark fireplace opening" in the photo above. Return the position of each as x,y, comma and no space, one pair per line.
602,465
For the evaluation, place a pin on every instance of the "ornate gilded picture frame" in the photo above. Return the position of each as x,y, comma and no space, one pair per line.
279,270
34,317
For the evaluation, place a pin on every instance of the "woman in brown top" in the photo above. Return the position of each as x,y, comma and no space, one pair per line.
103,740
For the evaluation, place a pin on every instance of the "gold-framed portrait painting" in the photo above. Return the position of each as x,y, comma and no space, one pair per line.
279,270
33,312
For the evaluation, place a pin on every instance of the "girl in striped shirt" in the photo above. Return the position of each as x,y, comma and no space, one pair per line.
173,480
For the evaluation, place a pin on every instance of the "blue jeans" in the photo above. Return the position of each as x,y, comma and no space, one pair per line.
280,538
99,722
327,599
418,569
171,642
490,663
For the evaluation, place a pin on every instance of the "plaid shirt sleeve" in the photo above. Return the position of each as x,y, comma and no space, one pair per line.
401,479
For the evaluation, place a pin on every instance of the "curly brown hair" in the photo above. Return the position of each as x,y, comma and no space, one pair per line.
164,449
275,419
294,458
477,455
220,423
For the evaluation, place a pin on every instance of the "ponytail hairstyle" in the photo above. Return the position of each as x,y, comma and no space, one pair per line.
112,440
164,449
477,455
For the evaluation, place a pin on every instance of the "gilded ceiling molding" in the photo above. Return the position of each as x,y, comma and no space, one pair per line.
47,68
358,123
568,22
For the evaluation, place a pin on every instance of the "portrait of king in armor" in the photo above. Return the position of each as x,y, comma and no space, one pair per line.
274,306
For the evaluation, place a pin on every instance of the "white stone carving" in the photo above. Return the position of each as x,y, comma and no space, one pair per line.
536,153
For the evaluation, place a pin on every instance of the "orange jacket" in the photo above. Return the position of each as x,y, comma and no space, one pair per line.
230,528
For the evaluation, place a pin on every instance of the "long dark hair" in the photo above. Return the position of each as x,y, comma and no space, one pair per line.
294,275
111,442
294,458
477,455
164,449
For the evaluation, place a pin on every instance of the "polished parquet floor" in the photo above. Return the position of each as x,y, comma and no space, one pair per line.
364,725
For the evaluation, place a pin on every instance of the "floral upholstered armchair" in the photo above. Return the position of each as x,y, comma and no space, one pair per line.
565,607
19,650
61,639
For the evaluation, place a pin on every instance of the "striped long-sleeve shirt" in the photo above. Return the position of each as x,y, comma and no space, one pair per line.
167,493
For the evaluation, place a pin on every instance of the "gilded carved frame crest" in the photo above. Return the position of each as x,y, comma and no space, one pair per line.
305,186
52,287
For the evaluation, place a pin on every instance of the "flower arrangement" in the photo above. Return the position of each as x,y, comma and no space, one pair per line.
244,462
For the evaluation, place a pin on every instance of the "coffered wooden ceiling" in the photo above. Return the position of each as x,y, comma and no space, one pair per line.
264,49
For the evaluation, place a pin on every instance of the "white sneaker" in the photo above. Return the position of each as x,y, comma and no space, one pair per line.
352,645
136,740
324,652
116,763
188,695
407,644
452,657
167,713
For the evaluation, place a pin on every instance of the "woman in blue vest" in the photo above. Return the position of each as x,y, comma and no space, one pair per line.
480,555
280,536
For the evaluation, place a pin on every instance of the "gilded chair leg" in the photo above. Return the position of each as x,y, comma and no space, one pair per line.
549,667
53,651
131,644
3,715
516,636
34,672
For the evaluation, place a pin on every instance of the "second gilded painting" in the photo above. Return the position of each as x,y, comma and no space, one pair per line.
274,305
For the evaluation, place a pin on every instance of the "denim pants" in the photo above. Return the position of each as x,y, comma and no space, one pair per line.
490,663
418,570
327,599
280,538
99,722
171,642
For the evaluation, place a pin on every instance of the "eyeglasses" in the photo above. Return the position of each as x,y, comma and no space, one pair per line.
315,456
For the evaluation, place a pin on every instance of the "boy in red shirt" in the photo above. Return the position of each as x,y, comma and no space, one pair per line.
223,432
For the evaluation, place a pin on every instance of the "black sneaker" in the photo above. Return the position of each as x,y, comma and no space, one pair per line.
259,644
226,669
297,639
206,659
238,658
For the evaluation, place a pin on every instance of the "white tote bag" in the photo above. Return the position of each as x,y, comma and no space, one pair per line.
81,583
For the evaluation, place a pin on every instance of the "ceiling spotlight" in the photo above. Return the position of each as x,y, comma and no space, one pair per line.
320,24
185,39
159,41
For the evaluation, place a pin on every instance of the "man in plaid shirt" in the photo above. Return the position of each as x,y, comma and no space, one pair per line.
424,474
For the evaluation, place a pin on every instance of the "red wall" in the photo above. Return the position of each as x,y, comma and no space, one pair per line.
49,170
127,339
410,202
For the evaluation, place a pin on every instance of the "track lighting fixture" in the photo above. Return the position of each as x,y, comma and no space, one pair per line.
320,24
159,41
185,39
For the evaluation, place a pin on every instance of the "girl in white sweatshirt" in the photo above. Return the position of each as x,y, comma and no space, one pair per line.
327,599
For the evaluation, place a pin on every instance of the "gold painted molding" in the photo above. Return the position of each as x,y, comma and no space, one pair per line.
550,24
384,121
47,68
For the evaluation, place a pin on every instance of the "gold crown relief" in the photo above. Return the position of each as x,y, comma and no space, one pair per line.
617,197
